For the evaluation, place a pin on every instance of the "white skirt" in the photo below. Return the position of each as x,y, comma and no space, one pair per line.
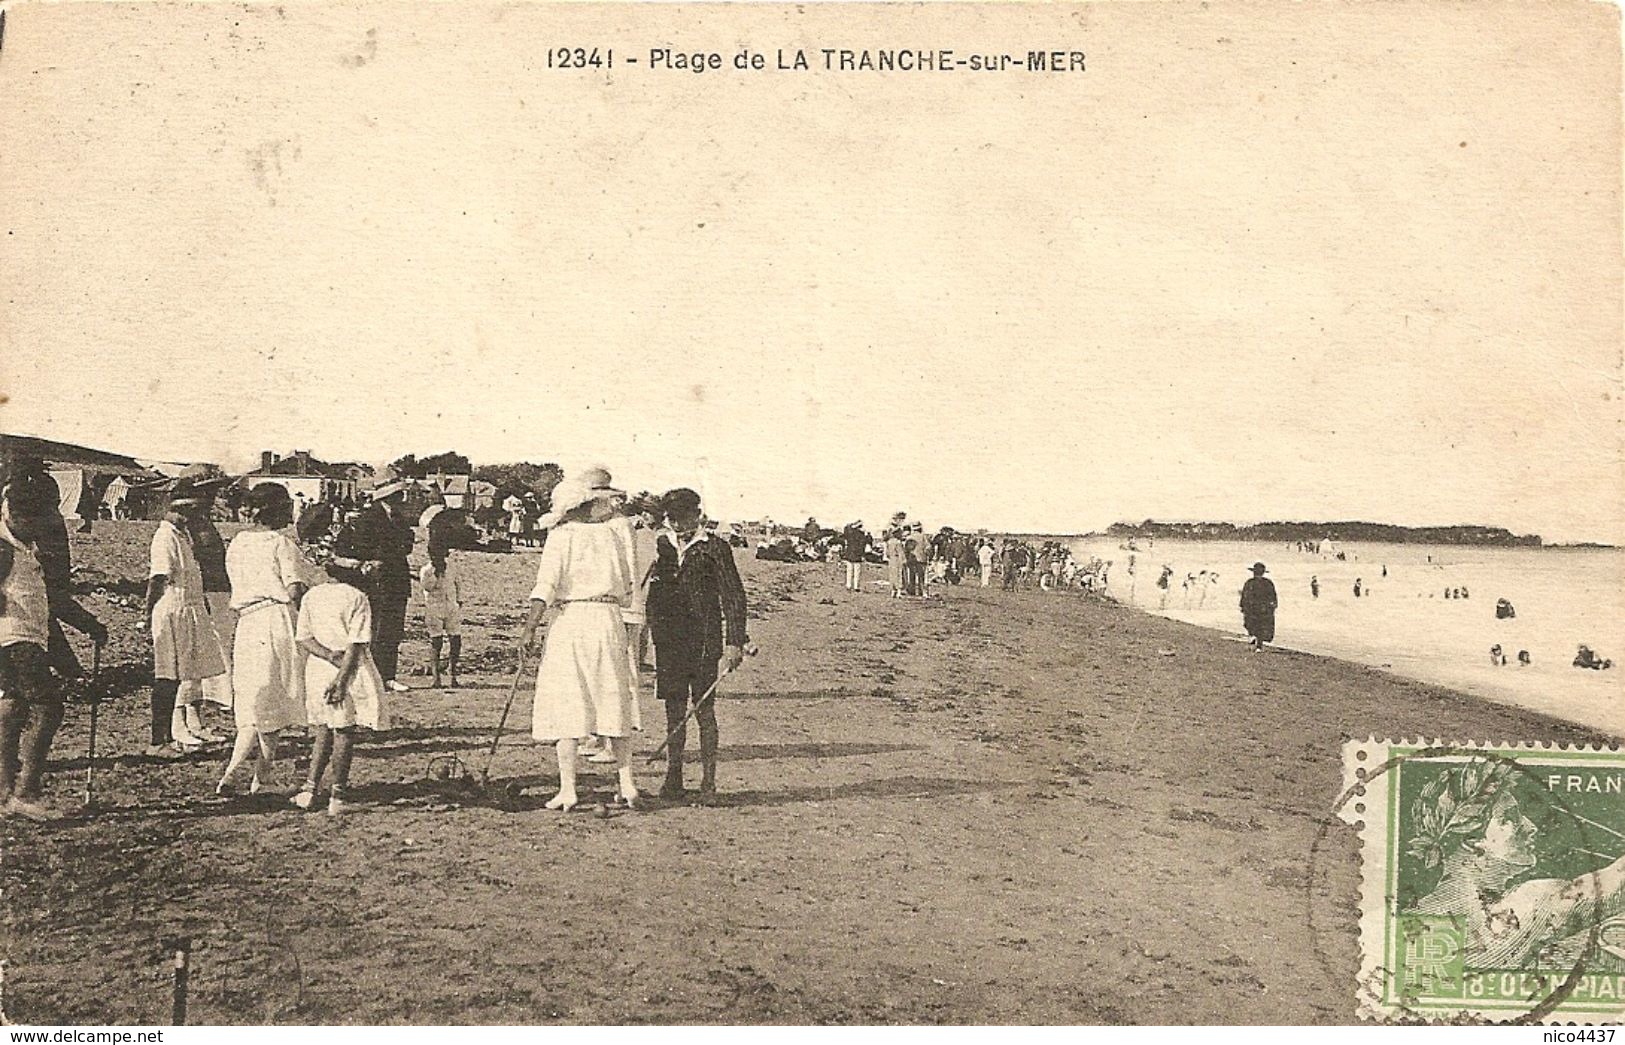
363,701
184,643
268,671
585,684
217,688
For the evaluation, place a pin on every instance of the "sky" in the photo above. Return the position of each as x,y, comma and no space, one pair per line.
1257,262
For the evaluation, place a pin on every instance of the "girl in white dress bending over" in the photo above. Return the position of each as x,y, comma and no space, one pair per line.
269,576
343,689
585,684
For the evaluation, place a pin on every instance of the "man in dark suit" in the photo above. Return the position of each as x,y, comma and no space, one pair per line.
697,619
377,542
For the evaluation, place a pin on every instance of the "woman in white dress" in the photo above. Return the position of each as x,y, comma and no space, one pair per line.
185,646
585,684
343,688
187,726
269,576
612,506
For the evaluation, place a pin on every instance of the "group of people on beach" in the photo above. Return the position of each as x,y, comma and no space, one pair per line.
258,627
915,560
613,566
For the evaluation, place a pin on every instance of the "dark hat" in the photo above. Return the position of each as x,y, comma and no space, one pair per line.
193,490
1259,567
681,501
268,496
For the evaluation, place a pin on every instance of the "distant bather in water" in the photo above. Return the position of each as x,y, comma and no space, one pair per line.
1585,658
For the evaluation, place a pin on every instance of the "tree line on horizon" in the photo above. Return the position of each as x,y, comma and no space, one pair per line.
1323,531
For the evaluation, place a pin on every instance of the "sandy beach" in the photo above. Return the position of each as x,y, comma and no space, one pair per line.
1019,808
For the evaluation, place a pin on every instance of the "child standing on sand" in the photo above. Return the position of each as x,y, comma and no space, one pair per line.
443,609
344,691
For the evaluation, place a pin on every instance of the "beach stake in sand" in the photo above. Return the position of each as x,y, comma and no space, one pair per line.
95,705
490,756
182,948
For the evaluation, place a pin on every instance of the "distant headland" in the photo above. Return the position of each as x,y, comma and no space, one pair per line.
1484,536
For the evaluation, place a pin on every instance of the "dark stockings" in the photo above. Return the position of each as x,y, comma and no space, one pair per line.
163,708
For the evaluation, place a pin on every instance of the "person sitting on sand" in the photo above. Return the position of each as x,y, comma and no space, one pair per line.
1258,602
1524,659
1314,587
1498,656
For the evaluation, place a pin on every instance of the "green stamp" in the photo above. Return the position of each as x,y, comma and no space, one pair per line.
1493,881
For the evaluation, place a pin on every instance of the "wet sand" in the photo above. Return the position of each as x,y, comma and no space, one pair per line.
985,807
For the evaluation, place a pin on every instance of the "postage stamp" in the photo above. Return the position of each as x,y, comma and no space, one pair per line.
1493,880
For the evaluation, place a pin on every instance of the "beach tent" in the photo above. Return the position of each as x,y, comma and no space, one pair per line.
115,497
82,474
71,485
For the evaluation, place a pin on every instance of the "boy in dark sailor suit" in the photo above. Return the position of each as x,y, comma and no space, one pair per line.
697,620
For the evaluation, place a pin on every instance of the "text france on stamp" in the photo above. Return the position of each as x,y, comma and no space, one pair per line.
1493,880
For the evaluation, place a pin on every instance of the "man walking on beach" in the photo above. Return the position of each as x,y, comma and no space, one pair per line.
1258,602
917,548
854,546
697,618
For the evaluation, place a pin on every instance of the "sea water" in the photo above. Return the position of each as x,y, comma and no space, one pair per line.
1403,622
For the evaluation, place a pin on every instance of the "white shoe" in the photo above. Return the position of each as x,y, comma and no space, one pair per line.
337,806
304,798
184,738
35,809
396,687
